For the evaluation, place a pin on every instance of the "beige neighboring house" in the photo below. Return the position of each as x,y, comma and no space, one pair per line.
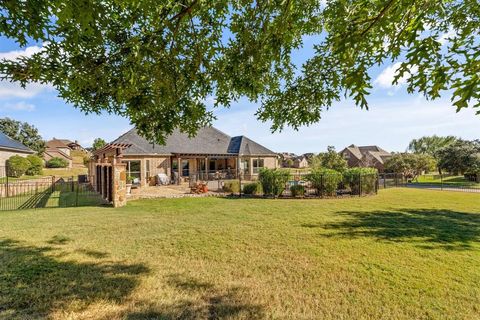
208,155
57,148
300,162
10,147
366,156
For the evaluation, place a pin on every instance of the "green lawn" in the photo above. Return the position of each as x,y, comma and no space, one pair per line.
447,180
404,254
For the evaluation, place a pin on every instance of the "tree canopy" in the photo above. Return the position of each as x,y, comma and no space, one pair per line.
411,165
98,143
462,156
329,160
24,133
159,62
430,144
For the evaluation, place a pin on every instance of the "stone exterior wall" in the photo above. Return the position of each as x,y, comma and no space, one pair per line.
5,154
119,185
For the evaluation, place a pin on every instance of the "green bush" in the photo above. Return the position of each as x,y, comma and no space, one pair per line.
273,181
297,190
361,180
324,181
36,165
252,188
57,162
17,166
231,186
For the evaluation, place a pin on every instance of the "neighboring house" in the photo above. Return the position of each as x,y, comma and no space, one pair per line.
211,153
10,147
287,159
366,156
58,148
300,162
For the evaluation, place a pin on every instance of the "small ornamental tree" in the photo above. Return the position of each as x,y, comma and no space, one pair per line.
57,162
410,165
36,165
17,166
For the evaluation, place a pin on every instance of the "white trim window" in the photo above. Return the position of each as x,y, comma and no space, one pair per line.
257,165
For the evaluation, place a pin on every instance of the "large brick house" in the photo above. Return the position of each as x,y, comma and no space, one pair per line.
211,153
366,156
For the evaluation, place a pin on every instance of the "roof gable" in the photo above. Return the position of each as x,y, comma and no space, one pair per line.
8,143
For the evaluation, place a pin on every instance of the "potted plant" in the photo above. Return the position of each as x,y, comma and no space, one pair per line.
129,184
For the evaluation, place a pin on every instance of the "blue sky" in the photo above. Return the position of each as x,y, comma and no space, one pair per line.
393,120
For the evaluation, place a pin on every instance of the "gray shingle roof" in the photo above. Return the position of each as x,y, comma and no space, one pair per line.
8,143
207,141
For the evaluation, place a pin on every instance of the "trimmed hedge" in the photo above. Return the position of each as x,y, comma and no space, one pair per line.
36,165
297,190
231,186
324,181
57,162
17,166
273,181
253,188
361,180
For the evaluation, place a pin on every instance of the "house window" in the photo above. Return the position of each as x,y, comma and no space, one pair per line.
257,165
185,168
134,170
346,155
212,165
245,166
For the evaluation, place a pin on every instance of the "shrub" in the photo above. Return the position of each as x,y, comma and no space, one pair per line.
252,188
36,165
297,190
273,181
17,166
231,186
57,162
361,180
324,181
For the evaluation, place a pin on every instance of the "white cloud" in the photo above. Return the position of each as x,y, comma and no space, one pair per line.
18,106
27,52
14,90
385,78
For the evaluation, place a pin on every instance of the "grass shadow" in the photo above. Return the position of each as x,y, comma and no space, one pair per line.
34,283
206,301
430,228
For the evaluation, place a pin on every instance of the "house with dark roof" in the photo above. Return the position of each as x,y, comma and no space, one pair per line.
10,147
210,153
366,156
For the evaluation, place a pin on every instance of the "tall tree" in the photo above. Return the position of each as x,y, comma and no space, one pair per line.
158,62
411,165
98,143
23,132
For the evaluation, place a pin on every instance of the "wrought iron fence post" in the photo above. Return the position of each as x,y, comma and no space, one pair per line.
76,196
441,181
321,185
53,184
359,184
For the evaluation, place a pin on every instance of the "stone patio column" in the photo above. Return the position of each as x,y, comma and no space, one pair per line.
180,169
119,176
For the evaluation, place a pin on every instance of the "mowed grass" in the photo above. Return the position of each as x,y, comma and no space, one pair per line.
447,180
404,254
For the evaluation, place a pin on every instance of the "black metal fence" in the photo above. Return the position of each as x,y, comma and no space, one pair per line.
45,192
445,182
